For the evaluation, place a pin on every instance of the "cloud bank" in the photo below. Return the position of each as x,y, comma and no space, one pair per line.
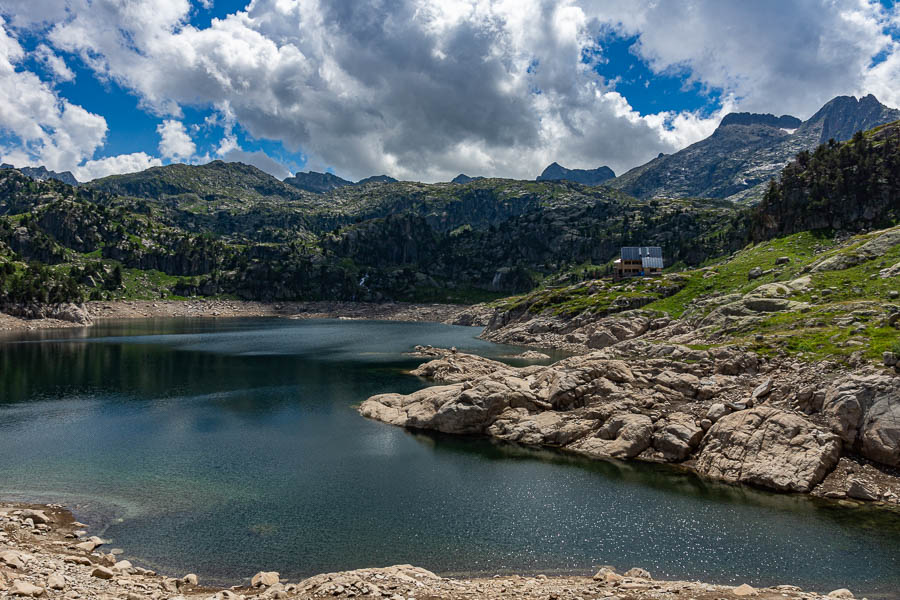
425,89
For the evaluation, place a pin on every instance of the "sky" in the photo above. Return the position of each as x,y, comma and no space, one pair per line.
417,89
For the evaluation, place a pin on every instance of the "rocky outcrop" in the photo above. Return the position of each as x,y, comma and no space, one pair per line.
67,311
624,435
725,412
768,447
669,405
677,436
864,411
869,250
457,366
746,310
581,333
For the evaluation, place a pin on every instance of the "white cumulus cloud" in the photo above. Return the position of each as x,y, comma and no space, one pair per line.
40,128
174,140
114,165
424,89
54,63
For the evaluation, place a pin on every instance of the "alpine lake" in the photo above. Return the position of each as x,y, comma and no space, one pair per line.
224,447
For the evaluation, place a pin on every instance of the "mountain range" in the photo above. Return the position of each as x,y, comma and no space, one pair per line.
42,174
735,162
747,150
231,229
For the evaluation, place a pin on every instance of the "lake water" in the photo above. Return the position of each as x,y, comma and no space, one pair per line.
225,447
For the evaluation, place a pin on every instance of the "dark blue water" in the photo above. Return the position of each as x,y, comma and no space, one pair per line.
224,447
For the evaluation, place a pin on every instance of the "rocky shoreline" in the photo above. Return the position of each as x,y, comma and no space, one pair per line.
726,413
45,553
71,315
635,390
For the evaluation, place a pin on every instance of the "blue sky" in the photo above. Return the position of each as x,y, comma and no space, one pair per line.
132,128
419,93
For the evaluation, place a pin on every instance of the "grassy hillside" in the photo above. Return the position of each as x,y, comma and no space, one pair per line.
823,296
226,229
374,241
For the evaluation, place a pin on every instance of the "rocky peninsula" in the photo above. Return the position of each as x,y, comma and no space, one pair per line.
726,413
45,553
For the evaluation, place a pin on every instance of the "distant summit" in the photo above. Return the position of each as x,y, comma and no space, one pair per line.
556,172
217,181
463,178
747,150
783,122
320,183
843,116
42,174
376,179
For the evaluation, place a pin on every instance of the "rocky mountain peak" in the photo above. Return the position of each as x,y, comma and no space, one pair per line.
556,172
320,183
463,178
748,149
843,116
317,183
376,179
770,120
42,173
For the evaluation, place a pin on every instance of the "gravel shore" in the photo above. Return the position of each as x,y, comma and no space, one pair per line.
90,312
45,553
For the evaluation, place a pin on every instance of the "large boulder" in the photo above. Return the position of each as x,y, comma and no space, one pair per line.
264,579
465,408
22,588
880,437
677,437
456,367
865,412
843,409
601,338
769,447
543,428
624,435
37,516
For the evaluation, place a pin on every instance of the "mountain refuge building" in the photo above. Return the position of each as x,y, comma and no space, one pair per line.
638,261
